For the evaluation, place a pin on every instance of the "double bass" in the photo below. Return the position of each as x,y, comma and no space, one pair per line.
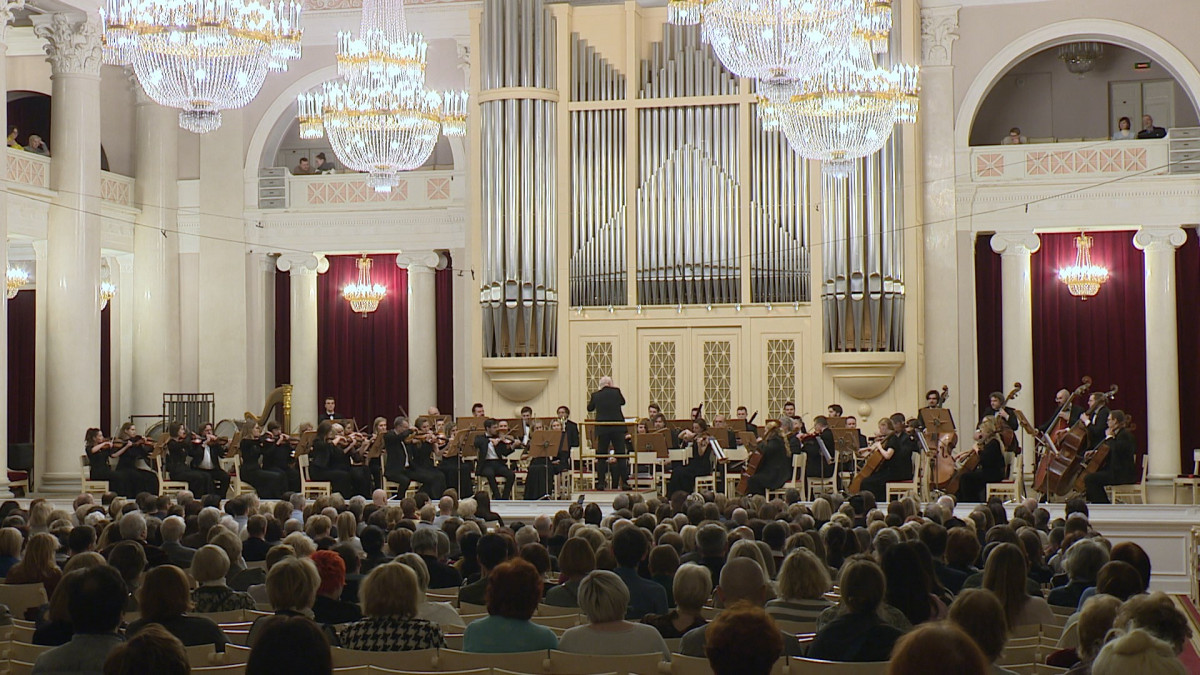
1054,435
944,466
1065,464
1008,437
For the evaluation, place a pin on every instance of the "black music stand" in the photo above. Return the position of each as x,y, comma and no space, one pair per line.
545,443
652,442
936,420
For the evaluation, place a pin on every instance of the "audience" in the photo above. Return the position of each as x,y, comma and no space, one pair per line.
512,598
1005,575
603,599
492,550
164,599
290,644
39,565
692,588
96,606
981,616
328,606
1137,651
10,549
937,649
1095,621
803,582
209,567
390,596
743,640
441,613
645,597
152,650
858,634
575,561
742,580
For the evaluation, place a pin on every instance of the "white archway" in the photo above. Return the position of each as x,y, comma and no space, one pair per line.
1103,30
266,124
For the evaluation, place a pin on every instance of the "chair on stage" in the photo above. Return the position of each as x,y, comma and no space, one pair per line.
798,482
1009,490
1131,493
87,485
309,487
1190,482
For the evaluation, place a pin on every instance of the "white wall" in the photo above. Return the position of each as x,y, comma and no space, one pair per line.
1044,99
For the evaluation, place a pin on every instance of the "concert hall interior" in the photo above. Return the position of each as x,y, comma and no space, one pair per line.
555,251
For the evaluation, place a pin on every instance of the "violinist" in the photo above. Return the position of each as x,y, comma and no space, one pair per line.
97,450
819,448
1003,413
423,448
700,459
897,459
255,449
132,454
179,450
1121,466
379,429
279,455
206,453
352,459
328,461
775,466
494,447
1097,422
395,446
1068,415
989,447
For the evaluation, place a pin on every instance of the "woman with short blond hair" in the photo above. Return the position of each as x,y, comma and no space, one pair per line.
603,598
803,581
209,567
692,586
10,549
389,598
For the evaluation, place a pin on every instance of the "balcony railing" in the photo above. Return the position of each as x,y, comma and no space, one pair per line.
27,168
342,191
1050,162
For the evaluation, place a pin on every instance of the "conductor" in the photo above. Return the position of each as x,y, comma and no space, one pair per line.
610,438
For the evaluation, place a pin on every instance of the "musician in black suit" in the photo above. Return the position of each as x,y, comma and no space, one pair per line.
324,464
395,446
819,449
1069,415
1121,466
775,466
571,429
743,414
422,447
610,438
1003,413
206,458
255,448
329,412
1097,422
493,448
175,461
933,401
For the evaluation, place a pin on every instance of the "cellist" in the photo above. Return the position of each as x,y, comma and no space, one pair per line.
775,466
1120,468
1000,411
972,485
1068,416
897,460
1097,422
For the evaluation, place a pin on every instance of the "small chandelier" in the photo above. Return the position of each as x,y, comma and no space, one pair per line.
364,296
1081,57
201,56
1083,279
379,116
17,279
107,291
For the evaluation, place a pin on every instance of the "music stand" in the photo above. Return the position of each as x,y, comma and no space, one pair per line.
936,420
306,442
845,442
748,439
376,448
651,442
737,424
545,443
836,422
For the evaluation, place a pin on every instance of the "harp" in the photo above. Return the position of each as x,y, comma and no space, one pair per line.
278,406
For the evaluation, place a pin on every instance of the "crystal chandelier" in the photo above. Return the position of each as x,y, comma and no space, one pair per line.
364,296
379,116
202,56
1083,279
17,279
1081,57
847,110
107,291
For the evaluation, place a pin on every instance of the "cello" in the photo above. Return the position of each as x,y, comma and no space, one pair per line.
1066,463
1008,437
874,461
1054,435
1094,460
945,442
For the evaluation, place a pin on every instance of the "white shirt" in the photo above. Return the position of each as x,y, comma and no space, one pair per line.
206,463
491,453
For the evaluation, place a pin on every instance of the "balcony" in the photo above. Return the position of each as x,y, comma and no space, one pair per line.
33,170
1069,162
278,189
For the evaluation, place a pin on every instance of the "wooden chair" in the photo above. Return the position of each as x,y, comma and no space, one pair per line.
453,640
817,667
521,662
166,485
308,487
1132,493
419,660
389,486
1069,638
798,482
585,477
20,668
200,656
228,669
1190,482
468,618
20,597
708,482
86,484
562,621
1009,490
1015,656
451,597
236,653
797,627
228,619
25,651
21,633
737,453
233,466
823,485
465,608
565,663
552,610
689,665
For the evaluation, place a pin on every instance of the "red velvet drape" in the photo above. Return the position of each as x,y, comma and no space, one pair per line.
106,369
22,347
1187,278
1104,337
989,320
283,328
363,362
444,301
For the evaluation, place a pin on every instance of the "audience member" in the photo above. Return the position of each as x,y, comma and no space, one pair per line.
692,588
858,634
1095,622
152,650
511,600
1140,652
389,597
490,552
165,599
96,605
1014,137
39,565
328,607
742,580
1124,130
802,584
981,616
441,613
604,599
576,560
292,589
171,531
743,640
1083,562
209,567
1005,575
1148,129
937,649
290,644
645,597
441,575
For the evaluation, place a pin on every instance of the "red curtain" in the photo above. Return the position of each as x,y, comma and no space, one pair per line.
444,301
106,369
22,346
1187,276
1104,337
283,328
363,362
989,319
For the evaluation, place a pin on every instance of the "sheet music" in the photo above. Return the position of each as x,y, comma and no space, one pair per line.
824,451
716,448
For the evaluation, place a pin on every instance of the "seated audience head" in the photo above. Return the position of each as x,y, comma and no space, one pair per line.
576,559
803,576
742,640
130,560
1140,652
332,570
603,597
1119,579
1157,614
97,601
1135,555
742,579
210,563
1004,574
391,589
290,644
151,650
629,546
292,584
165,593
514,589
1084,560
937,649
418,566
980,615
692,587
491,551
1095,621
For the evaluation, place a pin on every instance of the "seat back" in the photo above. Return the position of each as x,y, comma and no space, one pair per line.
566,663
562,621
21,597
817,667
521,662
419,660
553,610
689,665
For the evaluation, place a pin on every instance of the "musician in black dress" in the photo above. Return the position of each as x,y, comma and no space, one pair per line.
352,459
254,449
97,450
700,459
278,455
539,477
610,438
1069,415
775,466
494,447
819,449
1121,466
1097,422
205,454
133,453
326,462
897,460
178,452
972,486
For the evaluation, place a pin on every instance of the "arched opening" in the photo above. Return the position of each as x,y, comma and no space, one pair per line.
1048,102
291,148
29,112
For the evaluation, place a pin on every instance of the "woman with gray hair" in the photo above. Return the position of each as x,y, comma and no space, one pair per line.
603,598
441,613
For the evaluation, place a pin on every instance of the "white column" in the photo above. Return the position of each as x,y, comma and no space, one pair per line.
73,247
40,423
1017,342
303,270
1162,351
123,331
422,329
5,16
155,291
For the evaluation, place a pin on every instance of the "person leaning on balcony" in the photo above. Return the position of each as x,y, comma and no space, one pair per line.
1124,132
1014,137
1149,130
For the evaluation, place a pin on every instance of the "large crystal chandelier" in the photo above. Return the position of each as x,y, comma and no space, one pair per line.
202,56
379,116
17,279
1083,279
846,110
364,296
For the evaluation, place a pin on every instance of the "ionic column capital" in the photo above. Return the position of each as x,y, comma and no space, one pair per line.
302,263
419,261
1016,243
72,43
1159,238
